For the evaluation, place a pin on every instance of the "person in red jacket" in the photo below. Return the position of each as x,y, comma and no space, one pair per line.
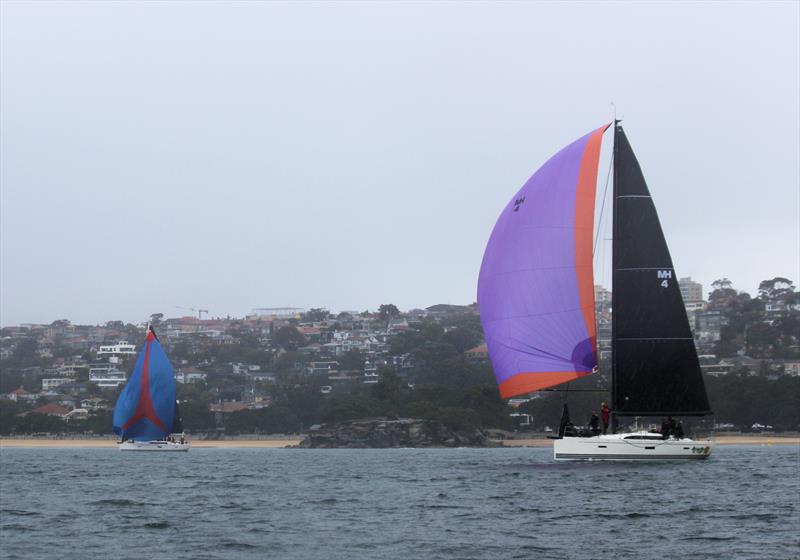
605,414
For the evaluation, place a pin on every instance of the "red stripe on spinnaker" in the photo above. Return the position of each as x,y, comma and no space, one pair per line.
523,383
584,230
144,406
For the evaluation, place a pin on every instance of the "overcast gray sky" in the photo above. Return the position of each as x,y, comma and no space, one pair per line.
230,156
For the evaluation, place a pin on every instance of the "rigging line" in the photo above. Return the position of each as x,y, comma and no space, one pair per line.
603,205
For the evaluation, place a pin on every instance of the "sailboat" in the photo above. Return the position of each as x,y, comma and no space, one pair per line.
536,300
147,416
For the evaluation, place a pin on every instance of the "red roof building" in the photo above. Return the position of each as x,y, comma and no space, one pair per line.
51,409
226,407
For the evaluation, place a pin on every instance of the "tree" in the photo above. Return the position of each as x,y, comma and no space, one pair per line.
285,361
352,360
99,422
775,289
461,339
34,422
305,402
271,420
388,311
8,416
316,314
388,388
722,295
722,284
24,355
350,407
196,417
289,338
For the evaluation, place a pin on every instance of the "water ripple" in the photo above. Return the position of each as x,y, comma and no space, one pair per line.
412,503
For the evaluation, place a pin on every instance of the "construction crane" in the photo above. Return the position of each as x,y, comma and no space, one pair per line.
194,310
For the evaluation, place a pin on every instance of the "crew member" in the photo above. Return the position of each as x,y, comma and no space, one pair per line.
594,424
605,414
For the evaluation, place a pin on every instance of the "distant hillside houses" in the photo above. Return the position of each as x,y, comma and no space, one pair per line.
190,375
261,358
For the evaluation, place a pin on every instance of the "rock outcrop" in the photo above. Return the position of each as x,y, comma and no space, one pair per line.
382,432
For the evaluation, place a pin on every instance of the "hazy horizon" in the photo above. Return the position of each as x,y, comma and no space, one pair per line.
235,156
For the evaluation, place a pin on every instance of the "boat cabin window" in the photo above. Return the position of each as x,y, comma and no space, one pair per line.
644,437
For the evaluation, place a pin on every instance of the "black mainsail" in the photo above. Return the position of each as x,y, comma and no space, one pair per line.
177,423
655,370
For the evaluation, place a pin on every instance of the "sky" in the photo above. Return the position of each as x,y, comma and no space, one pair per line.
228,156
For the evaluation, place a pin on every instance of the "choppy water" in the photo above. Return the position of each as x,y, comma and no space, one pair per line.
395,503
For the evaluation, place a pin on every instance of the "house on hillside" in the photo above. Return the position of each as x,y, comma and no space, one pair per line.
227,407
50,409
52,383
122,348
190,375
94,403
22,396
76,414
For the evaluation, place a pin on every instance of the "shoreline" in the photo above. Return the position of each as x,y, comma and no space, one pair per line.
291,442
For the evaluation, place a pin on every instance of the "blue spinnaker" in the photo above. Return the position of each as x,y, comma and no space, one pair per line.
145,409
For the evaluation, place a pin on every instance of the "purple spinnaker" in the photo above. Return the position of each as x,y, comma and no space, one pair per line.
535,289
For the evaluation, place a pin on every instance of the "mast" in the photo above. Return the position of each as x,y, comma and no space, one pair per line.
614,213
655,369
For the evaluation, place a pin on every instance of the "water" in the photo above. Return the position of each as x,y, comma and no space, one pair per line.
395,503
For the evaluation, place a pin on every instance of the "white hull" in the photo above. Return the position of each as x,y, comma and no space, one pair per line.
636,446
153,446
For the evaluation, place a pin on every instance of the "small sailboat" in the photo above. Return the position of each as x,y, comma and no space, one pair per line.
536,299
146,416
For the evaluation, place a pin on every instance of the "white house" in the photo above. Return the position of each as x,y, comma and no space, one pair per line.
122,348
106,375
190,375
54,382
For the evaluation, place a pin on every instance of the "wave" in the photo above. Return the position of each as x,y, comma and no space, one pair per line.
119,502
18,512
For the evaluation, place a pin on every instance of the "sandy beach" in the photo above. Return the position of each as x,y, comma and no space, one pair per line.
291,441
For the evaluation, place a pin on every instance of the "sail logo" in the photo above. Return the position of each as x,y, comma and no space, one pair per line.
664,276
518,203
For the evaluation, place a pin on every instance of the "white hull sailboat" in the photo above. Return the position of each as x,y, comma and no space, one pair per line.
630,446
536,298
157,445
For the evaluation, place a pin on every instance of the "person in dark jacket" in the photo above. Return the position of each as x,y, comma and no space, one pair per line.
664,428
679,430
594,424
671,426
605,414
